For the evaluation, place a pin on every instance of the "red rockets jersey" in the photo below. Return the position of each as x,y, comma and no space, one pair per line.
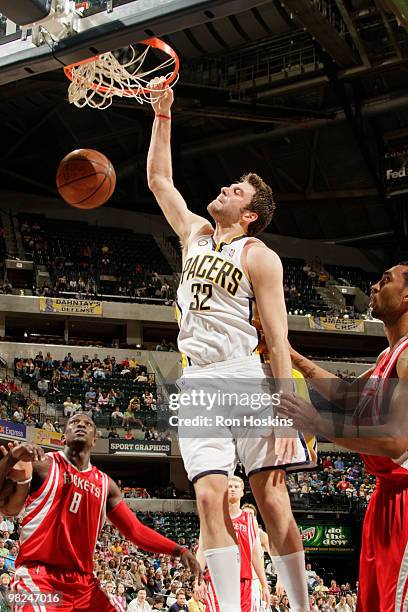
244,526
64,516
372,409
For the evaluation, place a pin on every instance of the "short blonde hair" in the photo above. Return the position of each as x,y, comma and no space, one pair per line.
238,479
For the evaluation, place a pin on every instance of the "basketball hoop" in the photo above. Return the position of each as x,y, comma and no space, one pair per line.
96,80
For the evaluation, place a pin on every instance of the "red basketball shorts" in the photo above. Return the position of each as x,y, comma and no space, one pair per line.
45,588
383,579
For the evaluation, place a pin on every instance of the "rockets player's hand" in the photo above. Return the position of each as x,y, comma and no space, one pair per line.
163,99
23,452
304,415
190,562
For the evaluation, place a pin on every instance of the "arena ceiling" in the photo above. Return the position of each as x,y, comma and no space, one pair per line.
308,94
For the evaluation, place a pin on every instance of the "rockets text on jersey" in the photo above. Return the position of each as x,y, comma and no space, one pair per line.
64,516
215,303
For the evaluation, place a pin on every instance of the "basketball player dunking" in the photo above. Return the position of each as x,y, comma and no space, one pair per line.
380,433
68,500
246,528
224,271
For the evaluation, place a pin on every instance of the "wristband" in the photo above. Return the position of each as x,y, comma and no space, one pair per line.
181,550
22,482
160,116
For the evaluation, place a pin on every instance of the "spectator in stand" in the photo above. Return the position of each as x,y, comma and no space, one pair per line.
129,435
343,485
3,550
321,588
343,606
339,464
163,346
119,598
327,463
76,405
128,417
139,604
134,404
158,603
48,426
180,603
68,407
117,417
113,433
311,576
9,561
334,589
18,415
141,378
42,387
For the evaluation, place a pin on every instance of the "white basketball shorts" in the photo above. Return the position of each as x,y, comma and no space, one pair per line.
226,431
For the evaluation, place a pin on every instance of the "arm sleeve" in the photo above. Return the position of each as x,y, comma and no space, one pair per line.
144,537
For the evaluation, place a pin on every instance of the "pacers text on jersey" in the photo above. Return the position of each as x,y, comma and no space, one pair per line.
215,269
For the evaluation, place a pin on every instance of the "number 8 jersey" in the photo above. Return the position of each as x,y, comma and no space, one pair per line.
64,516
215,303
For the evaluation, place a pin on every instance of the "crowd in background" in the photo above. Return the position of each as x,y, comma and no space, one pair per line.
141,582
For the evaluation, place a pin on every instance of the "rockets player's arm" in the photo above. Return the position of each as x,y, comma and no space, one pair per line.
16,475
123,518
344,394
160,173
259,568
389,440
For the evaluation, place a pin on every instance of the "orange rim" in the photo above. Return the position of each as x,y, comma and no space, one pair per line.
151,42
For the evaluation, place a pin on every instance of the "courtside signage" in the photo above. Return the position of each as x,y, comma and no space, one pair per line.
140,446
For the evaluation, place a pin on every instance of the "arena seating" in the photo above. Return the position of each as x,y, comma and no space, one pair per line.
105,260
75,379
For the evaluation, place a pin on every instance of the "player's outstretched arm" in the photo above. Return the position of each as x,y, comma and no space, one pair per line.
16,469
160,173
123,518
344,394
389,439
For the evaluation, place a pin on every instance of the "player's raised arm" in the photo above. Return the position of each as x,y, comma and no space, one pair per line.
160,173
123,518
16,469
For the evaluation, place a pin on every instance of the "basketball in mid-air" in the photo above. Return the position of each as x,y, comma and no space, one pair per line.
86,179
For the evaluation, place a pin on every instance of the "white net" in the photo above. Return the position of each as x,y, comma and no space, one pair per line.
96,82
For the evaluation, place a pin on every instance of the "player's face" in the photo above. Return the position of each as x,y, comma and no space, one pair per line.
235,491
230,202
389,297
80,431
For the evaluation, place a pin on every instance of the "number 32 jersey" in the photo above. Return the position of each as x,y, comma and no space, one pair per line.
64,516
215,303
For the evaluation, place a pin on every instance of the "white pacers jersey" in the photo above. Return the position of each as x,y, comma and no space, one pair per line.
215,303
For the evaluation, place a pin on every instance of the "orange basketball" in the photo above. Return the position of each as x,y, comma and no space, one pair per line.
86,178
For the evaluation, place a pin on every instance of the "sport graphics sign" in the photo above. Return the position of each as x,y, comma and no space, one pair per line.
326,538
140,446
